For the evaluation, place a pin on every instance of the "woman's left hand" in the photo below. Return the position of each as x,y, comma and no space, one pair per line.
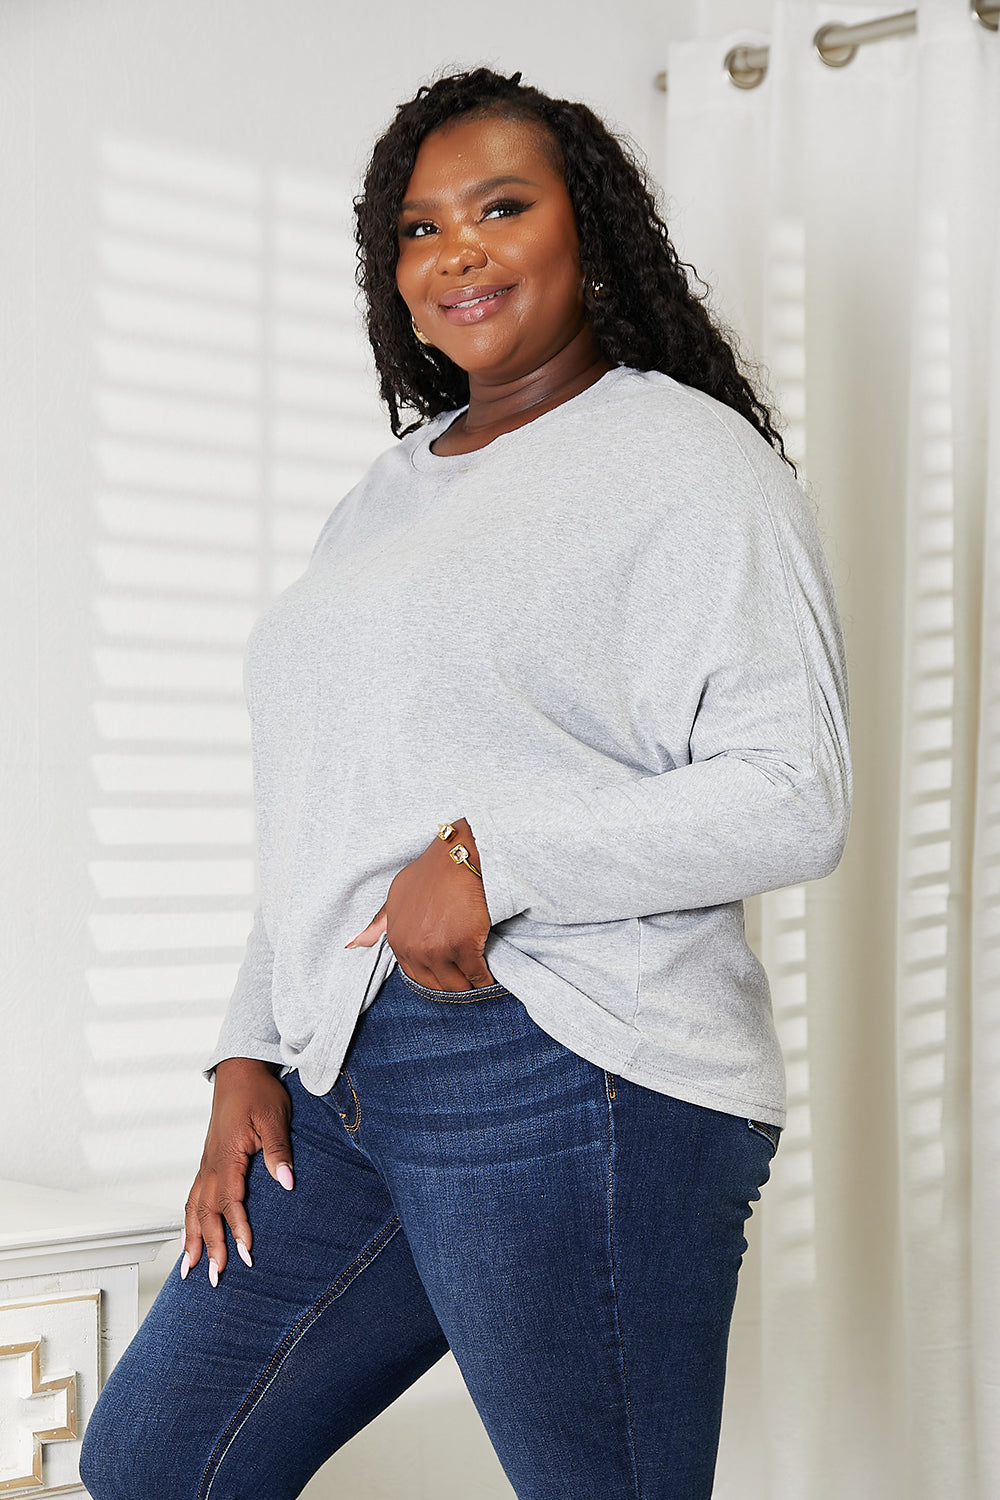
436,919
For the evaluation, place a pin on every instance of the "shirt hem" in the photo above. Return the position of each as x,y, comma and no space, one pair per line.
662,1081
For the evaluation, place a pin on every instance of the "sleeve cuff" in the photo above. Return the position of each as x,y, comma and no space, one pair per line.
268,1052
502,900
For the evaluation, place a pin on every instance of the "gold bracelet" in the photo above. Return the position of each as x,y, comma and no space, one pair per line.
461,857
459,853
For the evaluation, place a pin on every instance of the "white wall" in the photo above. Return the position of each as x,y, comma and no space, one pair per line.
185,396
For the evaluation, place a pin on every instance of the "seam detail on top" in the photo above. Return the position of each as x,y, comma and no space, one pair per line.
638,973
803,654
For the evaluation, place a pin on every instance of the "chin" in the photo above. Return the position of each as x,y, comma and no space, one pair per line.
483,358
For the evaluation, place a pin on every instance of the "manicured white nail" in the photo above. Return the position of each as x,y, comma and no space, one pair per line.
244,1253
185,1264
284,1176
213,1273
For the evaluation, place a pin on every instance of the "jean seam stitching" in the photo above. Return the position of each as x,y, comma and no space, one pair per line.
445,996
352,1129
614,1295
760,1127
266,1378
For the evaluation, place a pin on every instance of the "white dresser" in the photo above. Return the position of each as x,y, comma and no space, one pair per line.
69,1300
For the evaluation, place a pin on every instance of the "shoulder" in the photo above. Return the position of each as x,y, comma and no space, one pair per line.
701,453
659,416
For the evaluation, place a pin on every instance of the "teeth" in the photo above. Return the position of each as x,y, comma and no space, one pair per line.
488,298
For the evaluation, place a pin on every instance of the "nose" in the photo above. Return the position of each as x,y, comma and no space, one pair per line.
459,250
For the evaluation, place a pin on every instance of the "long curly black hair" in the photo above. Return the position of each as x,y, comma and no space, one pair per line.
648,315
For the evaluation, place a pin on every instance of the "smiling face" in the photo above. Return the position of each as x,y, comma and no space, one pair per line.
487,214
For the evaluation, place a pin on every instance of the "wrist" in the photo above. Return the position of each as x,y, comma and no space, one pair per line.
465,836
247,1067
461,845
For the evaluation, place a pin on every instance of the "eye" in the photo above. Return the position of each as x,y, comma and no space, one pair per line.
506,207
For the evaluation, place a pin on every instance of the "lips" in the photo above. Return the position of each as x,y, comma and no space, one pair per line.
466,294
473,305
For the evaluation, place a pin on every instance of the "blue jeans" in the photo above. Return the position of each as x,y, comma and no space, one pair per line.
468,1183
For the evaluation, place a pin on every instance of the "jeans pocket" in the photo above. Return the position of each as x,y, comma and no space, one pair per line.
451,997
771,1133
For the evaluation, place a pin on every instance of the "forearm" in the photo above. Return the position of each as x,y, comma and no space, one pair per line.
248,1028
702,835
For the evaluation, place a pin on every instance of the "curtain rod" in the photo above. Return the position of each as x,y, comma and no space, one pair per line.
836,43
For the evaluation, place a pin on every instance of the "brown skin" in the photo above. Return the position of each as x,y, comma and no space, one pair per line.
537,351
436,918
250,1113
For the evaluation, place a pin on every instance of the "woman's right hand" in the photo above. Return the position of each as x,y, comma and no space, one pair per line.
250,1113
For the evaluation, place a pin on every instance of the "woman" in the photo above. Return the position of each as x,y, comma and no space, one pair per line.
578,622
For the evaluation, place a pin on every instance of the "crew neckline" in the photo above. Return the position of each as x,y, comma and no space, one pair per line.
422,458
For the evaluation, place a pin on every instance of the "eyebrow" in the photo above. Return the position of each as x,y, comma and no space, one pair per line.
486,186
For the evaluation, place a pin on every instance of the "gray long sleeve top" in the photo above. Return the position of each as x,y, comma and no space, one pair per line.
608,639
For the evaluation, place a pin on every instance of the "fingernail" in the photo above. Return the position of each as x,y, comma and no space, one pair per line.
183,1238
185,1264
213,1273
284,1176
244,1254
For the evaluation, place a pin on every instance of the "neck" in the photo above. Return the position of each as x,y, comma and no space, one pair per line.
505,404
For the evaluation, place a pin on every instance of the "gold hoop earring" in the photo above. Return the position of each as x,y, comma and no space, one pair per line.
421,336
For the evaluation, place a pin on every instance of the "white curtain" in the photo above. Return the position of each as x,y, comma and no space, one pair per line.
846,220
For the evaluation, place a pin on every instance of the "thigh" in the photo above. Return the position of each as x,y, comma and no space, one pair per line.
578,1237
245,1389
684,1179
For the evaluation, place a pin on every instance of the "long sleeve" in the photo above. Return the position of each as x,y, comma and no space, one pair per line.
608,638
248,1029
759,796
